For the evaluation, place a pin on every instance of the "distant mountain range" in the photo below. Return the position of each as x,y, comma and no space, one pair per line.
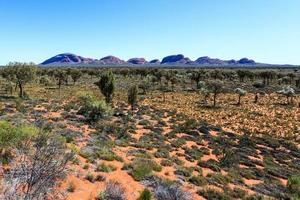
72,59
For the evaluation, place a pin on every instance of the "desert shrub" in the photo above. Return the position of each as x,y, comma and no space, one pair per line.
92,108
13,137
106,85
86,166
141,168
294,185
218,178
211,164
237,193
166,162
71,187
198,180
167,191
162,153
229,158
112,191
133,96
254,197
105,168
45,80
145,195
38,168
213,194
184,171
90,177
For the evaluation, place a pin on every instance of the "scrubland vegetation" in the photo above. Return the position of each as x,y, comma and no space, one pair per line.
140,134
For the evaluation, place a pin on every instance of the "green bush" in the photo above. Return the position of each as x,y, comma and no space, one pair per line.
294,185
92,108
198,180
13,137
105,168
141,168
145,195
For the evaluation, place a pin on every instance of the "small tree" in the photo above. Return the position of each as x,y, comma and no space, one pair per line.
240,93
75,75
61,76
132,96
106,85
215,87
20,74
203,90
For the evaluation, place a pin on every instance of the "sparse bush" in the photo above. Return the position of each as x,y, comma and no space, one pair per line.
37,169
71,187
294,185
13,137
166,191
145,195
105,168
198,180
90,177
113,191
213,194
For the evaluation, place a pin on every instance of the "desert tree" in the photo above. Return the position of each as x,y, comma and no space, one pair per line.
106,85
240,92
258,87
132,96
20,74
75,75
203,91
289,93
37,169
60,75
215,87
145,84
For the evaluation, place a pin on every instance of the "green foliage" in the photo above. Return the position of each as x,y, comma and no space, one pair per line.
132,96
20,74
106,85
198,180
145,195
12,136
92,108
142,168
294,186
105,168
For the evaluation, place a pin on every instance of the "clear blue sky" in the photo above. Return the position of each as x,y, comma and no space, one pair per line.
265,30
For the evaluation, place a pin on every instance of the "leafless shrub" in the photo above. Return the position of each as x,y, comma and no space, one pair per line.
113,191
165,191
35,172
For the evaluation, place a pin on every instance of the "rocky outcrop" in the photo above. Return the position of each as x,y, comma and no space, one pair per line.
137,61
180,59
67,58
111,60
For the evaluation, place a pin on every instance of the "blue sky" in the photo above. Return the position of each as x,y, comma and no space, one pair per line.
265,30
